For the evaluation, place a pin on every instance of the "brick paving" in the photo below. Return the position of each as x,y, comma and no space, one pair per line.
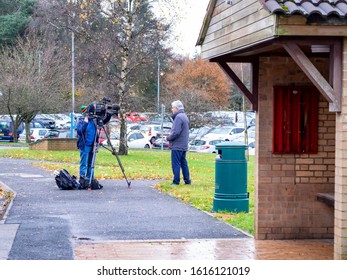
207,249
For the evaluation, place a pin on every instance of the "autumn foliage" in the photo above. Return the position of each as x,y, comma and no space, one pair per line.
198,83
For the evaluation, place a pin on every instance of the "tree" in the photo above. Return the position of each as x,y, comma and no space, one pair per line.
14,18
32,80
199,84
128,36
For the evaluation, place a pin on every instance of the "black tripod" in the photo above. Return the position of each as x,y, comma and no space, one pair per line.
99,127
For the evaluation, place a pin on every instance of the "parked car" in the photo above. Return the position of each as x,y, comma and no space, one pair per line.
204,145
241,137
35,134
251,148
158,119
223,132
135,117
46,122
220,117
6,128
53,133
165,131
158,143
136,140
59,119
198,132
152,131
5,131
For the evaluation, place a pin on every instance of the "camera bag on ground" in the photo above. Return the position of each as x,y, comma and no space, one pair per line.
66,181
95,185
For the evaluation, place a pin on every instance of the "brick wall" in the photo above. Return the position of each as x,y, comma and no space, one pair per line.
340,237
286,185
59,144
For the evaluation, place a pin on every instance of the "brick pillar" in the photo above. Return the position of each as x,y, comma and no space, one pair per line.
340,231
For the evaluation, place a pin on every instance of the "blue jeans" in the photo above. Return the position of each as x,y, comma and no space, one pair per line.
178,162
86,157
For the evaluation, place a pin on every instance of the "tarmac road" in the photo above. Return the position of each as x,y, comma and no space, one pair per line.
46,222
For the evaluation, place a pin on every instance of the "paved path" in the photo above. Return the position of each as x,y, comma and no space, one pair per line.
49,222
207,249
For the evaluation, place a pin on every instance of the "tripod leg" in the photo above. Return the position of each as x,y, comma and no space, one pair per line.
92,166
114,152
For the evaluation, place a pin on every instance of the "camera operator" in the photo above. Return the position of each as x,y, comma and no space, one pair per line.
86,135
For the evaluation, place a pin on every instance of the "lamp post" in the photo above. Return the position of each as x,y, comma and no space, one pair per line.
158,89
72,123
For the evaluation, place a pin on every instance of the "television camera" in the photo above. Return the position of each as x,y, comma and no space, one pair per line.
100,110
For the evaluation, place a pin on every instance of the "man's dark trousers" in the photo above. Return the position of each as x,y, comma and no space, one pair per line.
178,161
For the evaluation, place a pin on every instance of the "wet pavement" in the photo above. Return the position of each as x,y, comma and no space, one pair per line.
117,223
207,249
51,221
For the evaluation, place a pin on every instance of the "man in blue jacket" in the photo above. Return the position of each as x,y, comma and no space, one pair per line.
86,137
178,139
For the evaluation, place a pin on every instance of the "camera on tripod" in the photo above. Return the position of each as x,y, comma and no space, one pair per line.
100,110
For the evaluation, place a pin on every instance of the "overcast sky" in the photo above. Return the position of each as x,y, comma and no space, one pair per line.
188,30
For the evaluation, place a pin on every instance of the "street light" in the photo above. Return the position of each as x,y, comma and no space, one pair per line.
72,125
72,122
158,89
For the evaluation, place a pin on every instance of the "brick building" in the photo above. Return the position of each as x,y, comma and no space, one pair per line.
297,53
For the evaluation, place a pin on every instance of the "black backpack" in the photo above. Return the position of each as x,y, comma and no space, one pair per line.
65,181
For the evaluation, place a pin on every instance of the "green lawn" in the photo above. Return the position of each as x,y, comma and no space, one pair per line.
151,164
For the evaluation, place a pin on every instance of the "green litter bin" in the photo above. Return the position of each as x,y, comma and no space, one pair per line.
231,178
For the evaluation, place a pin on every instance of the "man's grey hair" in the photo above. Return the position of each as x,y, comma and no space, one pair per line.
178,104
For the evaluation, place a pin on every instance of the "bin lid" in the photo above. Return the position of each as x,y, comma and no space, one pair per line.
231,145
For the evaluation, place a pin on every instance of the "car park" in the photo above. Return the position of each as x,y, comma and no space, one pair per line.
46,122
54,133
220,117
151,131
35,134
133,126
157,144
223,132
135,117
136,140
251,148
165,131
5,131
240,138
198,132
158,119
204,145
59,119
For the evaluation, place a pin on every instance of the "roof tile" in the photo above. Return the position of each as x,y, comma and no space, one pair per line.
324,8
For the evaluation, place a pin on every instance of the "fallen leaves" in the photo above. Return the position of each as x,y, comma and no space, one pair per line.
5,199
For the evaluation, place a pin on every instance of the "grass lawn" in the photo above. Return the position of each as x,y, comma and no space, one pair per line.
151,164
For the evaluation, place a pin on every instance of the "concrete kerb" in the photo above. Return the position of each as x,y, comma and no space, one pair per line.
7,231
7,205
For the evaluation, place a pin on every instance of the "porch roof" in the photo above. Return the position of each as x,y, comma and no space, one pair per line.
299,29
315,12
